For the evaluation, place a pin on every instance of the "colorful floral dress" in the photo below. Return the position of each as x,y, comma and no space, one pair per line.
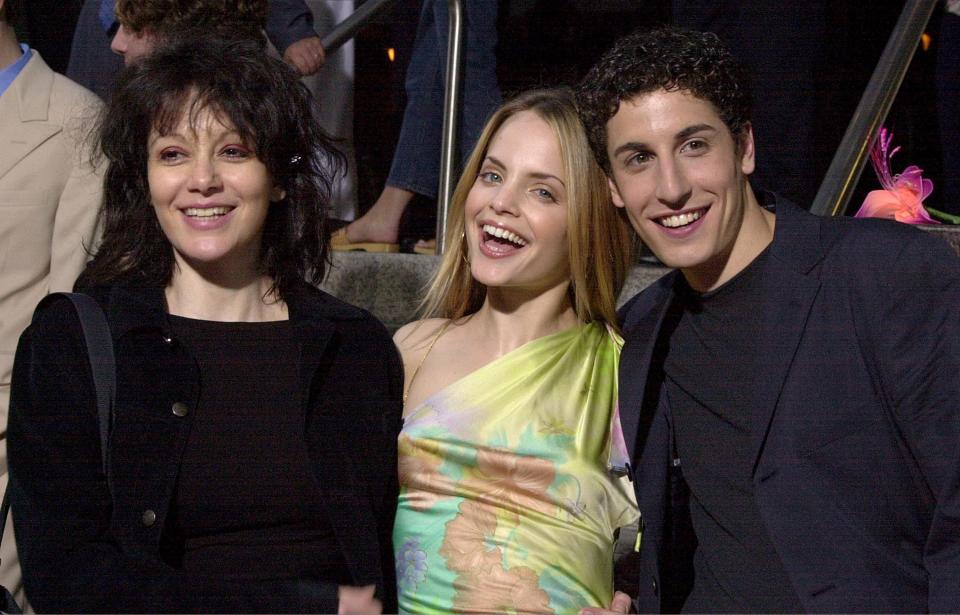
508,499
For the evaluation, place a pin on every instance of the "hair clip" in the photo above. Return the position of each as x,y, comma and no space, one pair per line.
295,159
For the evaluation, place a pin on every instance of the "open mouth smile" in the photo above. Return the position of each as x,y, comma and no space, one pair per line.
497,241
493,233
206,212
681,220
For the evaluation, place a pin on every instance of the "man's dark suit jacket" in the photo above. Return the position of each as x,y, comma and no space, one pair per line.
856,432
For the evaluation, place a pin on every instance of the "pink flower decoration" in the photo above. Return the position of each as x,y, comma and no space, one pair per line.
902,196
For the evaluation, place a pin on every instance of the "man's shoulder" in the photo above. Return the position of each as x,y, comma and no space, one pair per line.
641,303
55,100
73,105
878,246
855,245
67,90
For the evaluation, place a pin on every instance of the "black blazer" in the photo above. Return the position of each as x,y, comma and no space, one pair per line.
86,549
856,434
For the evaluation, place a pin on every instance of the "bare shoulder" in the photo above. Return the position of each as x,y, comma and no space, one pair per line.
416,336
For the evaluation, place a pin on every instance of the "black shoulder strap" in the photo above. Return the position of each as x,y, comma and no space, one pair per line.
96,333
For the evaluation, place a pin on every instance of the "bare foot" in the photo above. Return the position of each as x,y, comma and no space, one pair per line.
382,222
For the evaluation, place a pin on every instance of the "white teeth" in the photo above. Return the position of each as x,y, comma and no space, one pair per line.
206,212
504,234
681,219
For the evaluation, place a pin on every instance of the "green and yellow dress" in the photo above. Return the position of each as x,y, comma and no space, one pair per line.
508,502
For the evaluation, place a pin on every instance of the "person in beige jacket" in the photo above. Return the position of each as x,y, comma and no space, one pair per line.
49,198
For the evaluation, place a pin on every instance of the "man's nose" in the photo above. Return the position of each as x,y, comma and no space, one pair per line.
673,187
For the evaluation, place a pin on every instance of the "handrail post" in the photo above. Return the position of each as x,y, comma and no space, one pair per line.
451,118
847,164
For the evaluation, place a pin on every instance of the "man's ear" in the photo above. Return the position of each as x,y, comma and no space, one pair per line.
746,151
615,192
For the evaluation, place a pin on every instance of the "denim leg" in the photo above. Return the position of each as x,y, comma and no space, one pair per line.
416,160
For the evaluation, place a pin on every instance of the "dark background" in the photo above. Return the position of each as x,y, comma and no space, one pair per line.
551,42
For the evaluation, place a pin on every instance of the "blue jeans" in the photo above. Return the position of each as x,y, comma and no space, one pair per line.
416,161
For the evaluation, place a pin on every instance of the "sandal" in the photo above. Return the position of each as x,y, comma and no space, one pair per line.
426,246
340,243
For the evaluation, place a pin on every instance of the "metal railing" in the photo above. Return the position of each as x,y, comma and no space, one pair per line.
346,29
847,164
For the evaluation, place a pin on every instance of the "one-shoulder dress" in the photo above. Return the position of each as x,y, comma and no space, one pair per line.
509,491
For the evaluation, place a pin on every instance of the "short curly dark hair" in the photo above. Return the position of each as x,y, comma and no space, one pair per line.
264,100
215,18
668,59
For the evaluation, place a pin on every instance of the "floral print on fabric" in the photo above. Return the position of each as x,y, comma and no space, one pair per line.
411,565
506,504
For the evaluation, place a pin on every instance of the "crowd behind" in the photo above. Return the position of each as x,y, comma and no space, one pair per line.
772,427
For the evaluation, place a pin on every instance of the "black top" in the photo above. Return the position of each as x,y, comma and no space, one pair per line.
85,548
247,505
711,371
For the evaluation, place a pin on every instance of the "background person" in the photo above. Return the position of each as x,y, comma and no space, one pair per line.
288,24
416,160
508,502
253,447
49,197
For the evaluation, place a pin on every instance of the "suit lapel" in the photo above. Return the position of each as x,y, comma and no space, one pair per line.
789,290
642,325
316,337
334,463
19,140
24,111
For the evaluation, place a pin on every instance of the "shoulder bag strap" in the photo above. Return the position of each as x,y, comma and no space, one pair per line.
96,333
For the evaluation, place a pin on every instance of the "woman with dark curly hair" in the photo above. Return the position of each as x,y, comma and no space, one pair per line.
252,454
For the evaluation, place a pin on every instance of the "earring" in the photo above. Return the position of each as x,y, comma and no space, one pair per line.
463,248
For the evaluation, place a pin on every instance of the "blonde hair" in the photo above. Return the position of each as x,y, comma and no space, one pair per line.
599,236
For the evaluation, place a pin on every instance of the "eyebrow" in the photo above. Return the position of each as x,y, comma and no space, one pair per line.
692,130
632,146
533,175
230,135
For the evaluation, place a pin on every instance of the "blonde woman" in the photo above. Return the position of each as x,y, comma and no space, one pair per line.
509,492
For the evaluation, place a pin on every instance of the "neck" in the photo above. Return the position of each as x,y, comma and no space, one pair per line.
9,47
231,297
510,317
753,236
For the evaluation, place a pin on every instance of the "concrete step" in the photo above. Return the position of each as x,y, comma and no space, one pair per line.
391,285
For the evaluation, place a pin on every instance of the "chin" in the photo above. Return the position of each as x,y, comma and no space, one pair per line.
680,259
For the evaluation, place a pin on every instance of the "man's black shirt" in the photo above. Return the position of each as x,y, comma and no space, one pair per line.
711,370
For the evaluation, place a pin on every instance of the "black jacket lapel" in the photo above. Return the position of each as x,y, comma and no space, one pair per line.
641,319
790,288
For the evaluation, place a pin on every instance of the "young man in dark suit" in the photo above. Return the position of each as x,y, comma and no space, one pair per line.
791,394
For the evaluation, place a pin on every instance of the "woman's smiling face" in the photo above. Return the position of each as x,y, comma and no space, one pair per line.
210,192
516,211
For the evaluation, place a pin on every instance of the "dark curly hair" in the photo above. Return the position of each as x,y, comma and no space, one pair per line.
273,113
662,59
230,18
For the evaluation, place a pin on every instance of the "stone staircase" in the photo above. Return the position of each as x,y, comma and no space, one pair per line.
391,285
